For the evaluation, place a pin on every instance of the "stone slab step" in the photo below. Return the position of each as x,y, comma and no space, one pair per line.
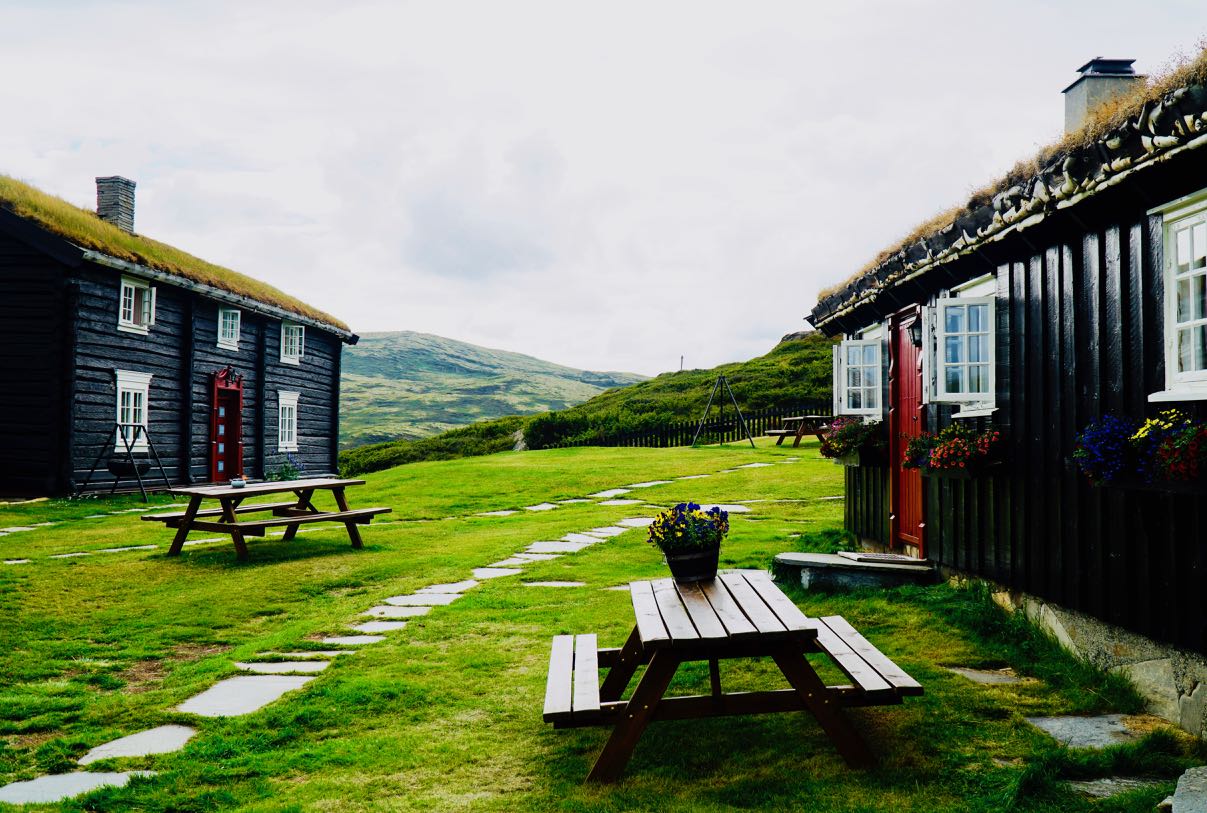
162,740
57,787
241,695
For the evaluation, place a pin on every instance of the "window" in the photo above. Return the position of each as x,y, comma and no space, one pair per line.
857,377
1185,301
228,328
133,394
136,308
293,342
287,421
963,330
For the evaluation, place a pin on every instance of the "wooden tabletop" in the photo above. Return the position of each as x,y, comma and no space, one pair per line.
743,605
268,487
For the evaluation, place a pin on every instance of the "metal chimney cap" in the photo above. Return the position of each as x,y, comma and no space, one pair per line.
1108,66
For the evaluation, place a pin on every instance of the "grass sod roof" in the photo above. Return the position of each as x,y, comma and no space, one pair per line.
1165,112
85,229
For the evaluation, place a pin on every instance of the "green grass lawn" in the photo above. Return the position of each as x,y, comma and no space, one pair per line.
446,714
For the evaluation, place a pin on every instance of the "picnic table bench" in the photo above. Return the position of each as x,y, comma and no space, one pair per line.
740,614
288,514
797,427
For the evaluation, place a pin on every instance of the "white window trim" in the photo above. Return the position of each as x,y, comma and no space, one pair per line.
134,382
133,327
840,378
287,399
933,351
985,285
285,328
1178,386
227,344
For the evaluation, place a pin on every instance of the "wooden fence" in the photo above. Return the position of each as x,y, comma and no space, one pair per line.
723,428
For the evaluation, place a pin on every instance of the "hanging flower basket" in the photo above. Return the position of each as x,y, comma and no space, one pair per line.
1165,454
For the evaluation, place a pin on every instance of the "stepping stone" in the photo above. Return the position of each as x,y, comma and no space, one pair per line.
555,584
283,667
69,555
619,588
514,561
386,611
237,696
582,539
693,477
162,740
57,787
754,465
380,626
1112,786
455,587
732,509
90,516
208,540
556,547
132,547
987,678
17,561
610,493
496,513
1191,794
424,600
495,572
1085,732
611,530
544,506
649,484
307,653
16,529
636,522
537,557
352,640
622,502
572,502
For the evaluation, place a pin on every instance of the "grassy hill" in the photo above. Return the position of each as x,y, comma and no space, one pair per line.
408,385
795,371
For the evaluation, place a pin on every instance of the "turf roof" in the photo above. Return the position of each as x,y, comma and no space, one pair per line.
83,228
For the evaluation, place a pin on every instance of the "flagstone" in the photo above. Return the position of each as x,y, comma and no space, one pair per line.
572,501
619,588
208,540
622,502
495,513
379,626
754,465
495,572
352,640
994,678
16,529
283,667
544,506
241,695
162,740
636,522
537,557
732,509
17,561
1085,732
693,477
387,611
70,555
454,587
555,584
556,547
610,493
424,600
132,547
57,787
610,530
513,561
306,653
648,484
580,538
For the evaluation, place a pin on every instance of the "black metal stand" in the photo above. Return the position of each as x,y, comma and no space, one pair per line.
723,381
119,431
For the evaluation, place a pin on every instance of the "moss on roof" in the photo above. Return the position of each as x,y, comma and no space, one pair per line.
86,230
1100,123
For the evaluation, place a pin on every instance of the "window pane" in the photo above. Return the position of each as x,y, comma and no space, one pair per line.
1200,347
854,377
1199,297
954,349
853,355
1199,253
955,378
221,448
221,465
978,318
1185,351
221,429
1183,257
978,378
869,398
854,399
954,319
1183,300
869,355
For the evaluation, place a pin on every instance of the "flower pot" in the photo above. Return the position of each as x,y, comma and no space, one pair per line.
696,565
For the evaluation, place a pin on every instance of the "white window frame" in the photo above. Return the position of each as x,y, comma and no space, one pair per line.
128,320
138,387
287,421
226,341
841,388
1184,213
288,346
935,340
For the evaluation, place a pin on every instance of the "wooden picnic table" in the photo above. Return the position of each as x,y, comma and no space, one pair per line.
798,426
288,514
740,614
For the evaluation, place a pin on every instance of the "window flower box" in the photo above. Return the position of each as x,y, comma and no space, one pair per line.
862,457
967,473
854,442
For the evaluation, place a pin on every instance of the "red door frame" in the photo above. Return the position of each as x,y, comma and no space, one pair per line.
227,383
898,327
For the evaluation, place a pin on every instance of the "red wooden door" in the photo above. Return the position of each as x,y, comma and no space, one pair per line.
907,522
226,427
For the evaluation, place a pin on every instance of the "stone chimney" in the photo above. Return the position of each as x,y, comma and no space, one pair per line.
1100,80
115,201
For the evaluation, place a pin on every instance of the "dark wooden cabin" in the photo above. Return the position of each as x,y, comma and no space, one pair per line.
1087,272
100,327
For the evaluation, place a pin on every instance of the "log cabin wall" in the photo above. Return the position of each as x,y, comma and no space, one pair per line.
1080,333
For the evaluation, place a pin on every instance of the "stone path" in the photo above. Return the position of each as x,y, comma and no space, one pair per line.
241,695
161,740
1000,677
57,787
1085,732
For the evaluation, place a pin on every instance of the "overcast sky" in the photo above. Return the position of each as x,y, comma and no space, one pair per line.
607,185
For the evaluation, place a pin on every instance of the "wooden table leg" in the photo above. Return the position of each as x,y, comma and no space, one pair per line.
303,504
623,670
640,709
714,684
182,530
353,531
229,504
823,706
240,545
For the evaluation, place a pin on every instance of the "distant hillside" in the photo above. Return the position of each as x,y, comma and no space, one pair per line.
795,372
408,385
